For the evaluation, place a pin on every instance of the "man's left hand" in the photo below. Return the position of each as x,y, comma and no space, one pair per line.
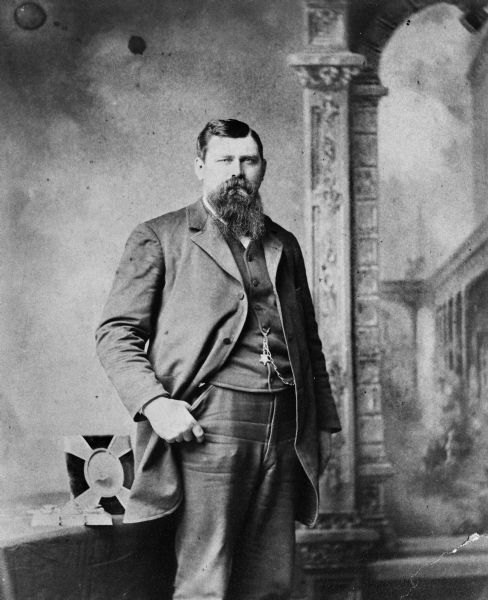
325,450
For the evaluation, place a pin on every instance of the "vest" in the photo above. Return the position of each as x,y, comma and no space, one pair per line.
244,370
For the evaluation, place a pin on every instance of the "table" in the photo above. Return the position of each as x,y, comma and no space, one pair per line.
129,562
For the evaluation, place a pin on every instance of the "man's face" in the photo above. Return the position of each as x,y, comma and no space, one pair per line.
230,157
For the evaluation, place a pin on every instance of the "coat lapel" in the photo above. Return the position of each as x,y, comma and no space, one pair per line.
209,238
273,249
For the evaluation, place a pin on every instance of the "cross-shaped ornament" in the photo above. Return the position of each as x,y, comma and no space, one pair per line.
264,359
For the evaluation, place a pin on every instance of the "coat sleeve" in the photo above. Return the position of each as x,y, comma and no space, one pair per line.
128,318
328,419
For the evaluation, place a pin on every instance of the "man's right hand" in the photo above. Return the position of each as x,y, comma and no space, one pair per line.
172,421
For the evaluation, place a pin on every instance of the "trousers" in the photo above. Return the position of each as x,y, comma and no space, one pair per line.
235,531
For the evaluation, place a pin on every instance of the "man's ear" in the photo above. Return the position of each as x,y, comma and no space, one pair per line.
265,164
199,164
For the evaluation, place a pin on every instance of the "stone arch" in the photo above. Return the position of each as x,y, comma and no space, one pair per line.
378,30
365,93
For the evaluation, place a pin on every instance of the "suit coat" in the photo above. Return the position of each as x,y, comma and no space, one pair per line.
173,316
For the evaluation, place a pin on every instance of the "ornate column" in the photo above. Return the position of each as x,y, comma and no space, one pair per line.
325,71
373,467
331,555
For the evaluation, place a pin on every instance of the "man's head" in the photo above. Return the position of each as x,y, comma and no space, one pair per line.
231,167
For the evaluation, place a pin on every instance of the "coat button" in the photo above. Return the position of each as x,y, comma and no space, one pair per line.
242,295
227,341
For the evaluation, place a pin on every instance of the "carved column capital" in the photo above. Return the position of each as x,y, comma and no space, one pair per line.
367,86
326,72
327,77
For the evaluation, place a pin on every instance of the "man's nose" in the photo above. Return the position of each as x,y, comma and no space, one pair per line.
236,168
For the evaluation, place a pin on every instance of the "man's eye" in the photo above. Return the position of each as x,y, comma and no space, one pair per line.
225,160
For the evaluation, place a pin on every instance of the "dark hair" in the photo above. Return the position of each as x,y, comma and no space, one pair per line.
225,128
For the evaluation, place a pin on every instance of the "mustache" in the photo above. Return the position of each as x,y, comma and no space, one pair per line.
238,183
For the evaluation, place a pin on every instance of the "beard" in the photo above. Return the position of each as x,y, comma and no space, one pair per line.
238,205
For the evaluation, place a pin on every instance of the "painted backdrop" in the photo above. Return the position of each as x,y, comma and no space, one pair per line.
434,261
95,139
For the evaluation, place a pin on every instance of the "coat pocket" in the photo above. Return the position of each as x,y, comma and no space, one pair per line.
198,405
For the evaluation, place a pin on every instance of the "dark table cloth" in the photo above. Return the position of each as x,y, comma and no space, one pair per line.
133,562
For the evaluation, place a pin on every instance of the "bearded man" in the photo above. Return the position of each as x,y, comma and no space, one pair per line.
210,338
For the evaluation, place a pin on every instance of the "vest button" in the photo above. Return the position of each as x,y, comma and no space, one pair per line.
255,282
227,341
